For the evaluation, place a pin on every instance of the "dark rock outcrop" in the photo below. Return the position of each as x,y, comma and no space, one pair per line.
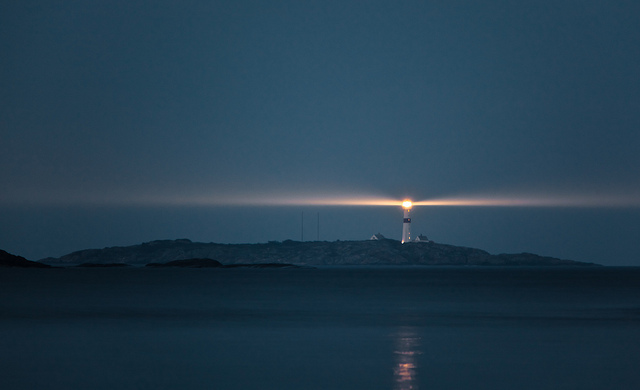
369,252
265,266
103,265
9,260
210,263
189,263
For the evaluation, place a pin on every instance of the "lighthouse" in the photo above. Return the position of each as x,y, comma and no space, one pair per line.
406,222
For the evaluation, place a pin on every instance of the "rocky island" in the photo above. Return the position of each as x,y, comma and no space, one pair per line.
308,253
9,260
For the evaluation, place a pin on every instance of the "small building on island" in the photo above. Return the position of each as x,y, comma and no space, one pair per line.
422,238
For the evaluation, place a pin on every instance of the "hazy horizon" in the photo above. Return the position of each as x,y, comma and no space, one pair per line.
134,121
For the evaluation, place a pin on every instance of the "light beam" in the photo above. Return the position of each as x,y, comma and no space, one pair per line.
630,200
535,201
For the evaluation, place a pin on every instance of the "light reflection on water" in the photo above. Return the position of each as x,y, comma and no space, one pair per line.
407,347
526,329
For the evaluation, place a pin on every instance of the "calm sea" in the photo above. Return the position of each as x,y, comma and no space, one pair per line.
327,328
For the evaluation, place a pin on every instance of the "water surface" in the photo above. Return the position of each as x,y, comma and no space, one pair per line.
328,328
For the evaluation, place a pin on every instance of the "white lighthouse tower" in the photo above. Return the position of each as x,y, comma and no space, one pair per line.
406,222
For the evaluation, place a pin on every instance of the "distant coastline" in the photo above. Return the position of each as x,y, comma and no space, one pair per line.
307,253
9,260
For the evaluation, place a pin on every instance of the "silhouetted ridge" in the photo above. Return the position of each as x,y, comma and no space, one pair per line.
369,252
9,260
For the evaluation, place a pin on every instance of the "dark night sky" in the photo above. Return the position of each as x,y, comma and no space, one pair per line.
109,109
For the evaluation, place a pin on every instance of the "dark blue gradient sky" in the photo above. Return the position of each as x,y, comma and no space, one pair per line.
106,107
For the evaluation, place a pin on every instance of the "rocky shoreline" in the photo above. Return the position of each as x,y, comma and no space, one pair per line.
308,253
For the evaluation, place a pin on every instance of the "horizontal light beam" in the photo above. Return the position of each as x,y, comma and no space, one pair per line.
535,201
481,201
332,200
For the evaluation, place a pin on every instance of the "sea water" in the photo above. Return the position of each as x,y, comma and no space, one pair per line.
324,328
